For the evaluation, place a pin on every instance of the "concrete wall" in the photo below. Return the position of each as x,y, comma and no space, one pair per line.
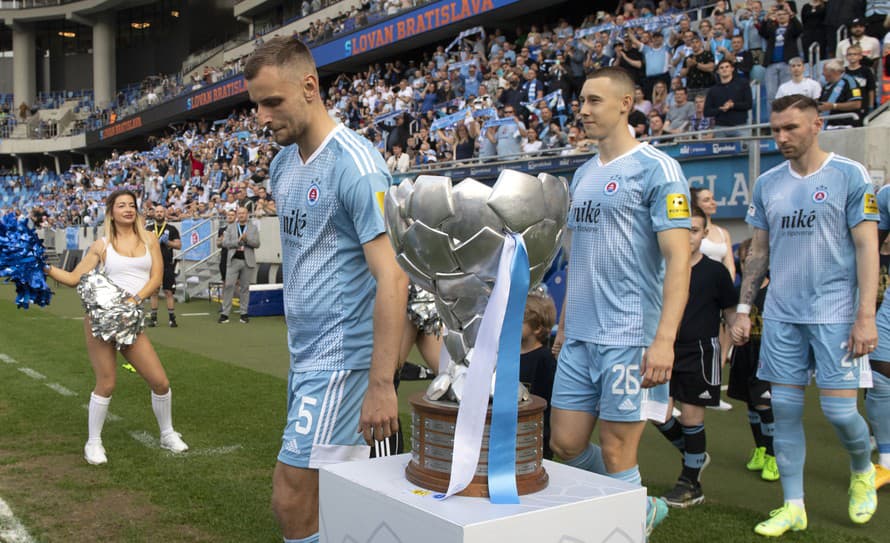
6,75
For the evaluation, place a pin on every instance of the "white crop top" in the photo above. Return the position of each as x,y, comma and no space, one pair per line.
130,273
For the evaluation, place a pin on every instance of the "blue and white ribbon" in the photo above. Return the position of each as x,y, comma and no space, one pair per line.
466,63
553,100
498,343
387,117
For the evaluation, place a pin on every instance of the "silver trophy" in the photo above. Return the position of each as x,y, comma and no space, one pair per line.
449,239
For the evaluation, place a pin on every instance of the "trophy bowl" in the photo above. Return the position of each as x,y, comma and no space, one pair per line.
448,238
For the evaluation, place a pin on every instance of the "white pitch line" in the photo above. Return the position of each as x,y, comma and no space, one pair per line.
32,374
215,451
7,359
146,439
11,530
61,390
110,417
194,314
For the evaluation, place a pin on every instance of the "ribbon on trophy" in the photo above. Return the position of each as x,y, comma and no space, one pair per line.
498,345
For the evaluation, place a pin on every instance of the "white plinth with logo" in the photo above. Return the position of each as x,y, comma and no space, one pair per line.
371,502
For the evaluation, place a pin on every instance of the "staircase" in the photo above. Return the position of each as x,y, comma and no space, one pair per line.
194,278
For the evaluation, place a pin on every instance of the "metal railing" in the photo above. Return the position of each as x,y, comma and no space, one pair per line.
876,113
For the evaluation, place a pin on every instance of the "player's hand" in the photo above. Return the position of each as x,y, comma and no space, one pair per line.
380,413
741,329
558,342
658,362
863,336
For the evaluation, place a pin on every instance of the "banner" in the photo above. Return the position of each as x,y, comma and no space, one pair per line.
648,24
387,117
71,238
458,65
498,122
191,237
553,100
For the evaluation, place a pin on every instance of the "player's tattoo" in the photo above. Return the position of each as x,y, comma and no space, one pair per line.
756,266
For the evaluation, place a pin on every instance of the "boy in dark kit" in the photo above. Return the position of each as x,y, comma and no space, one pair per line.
537,366
695,382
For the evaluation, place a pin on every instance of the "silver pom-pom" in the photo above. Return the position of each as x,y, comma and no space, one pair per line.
112,318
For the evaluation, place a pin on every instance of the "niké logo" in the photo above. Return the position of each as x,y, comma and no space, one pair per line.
799,219
294,223
587,212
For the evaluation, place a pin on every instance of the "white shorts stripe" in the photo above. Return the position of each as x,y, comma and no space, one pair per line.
320,428
341,386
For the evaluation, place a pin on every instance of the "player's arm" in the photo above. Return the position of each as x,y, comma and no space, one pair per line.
756,266
86,264
380,408
864,334
659,358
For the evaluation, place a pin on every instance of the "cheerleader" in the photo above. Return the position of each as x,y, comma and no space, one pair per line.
131,260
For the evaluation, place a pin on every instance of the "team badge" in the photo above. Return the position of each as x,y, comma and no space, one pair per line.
379,196
820,195
677,206
611,187
313,194
870,204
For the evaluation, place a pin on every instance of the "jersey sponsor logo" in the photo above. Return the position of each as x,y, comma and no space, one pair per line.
586,212
870,204
677,206
611,187
379,196
799,219
293,223
820,195
313,194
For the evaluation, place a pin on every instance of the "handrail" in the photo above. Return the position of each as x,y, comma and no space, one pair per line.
195,227
200,239
814,53
680,137
194,265
875,113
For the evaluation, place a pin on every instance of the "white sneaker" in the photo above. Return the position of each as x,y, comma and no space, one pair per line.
94,453
173,442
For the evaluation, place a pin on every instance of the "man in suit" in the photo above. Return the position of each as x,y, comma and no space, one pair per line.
241,239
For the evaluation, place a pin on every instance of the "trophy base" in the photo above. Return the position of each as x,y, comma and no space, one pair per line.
433,424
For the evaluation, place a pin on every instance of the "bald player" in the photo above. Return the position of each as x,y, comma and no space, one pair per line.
629,219
328,185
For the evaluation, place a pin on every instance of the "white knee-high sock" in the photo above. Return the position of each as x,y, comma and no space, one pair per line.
162,406
97,413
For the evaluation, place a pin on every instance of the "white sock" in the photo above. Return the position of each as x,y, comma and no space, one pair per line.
162,406
97,413
884,460
797,501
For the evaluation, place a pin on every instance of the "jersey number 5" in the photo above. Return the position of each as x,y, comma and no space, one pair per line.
304,423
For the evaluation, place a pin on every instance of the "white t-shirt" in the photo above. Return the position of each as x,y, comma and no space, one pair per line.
807,87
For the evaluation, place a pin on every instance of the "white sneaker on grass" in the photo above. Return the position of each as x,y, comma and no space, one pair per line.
94,453
173,442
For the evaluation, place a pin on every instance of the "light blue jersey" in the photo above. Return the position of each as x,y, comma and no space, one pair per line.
615,266
327,208
812,259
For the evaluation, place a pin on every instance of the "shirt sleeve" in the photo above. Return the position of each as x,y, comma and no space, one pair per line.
173,231
862,205
668,196
362,198
884,207
756,216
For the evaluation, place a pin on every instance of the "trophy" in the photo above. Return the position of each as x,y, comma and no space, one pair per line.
449,239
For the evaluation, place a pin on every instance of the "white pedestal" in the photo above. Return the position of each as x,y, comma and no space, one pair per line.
371,502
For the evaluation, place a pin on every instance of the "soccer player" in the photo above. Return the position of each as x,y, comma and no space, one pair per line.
629,220
877,401
695,381
814,219
744,385
344,294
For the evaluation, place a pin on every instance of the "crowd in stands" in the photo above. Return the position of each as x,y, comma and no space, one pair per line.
494,96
